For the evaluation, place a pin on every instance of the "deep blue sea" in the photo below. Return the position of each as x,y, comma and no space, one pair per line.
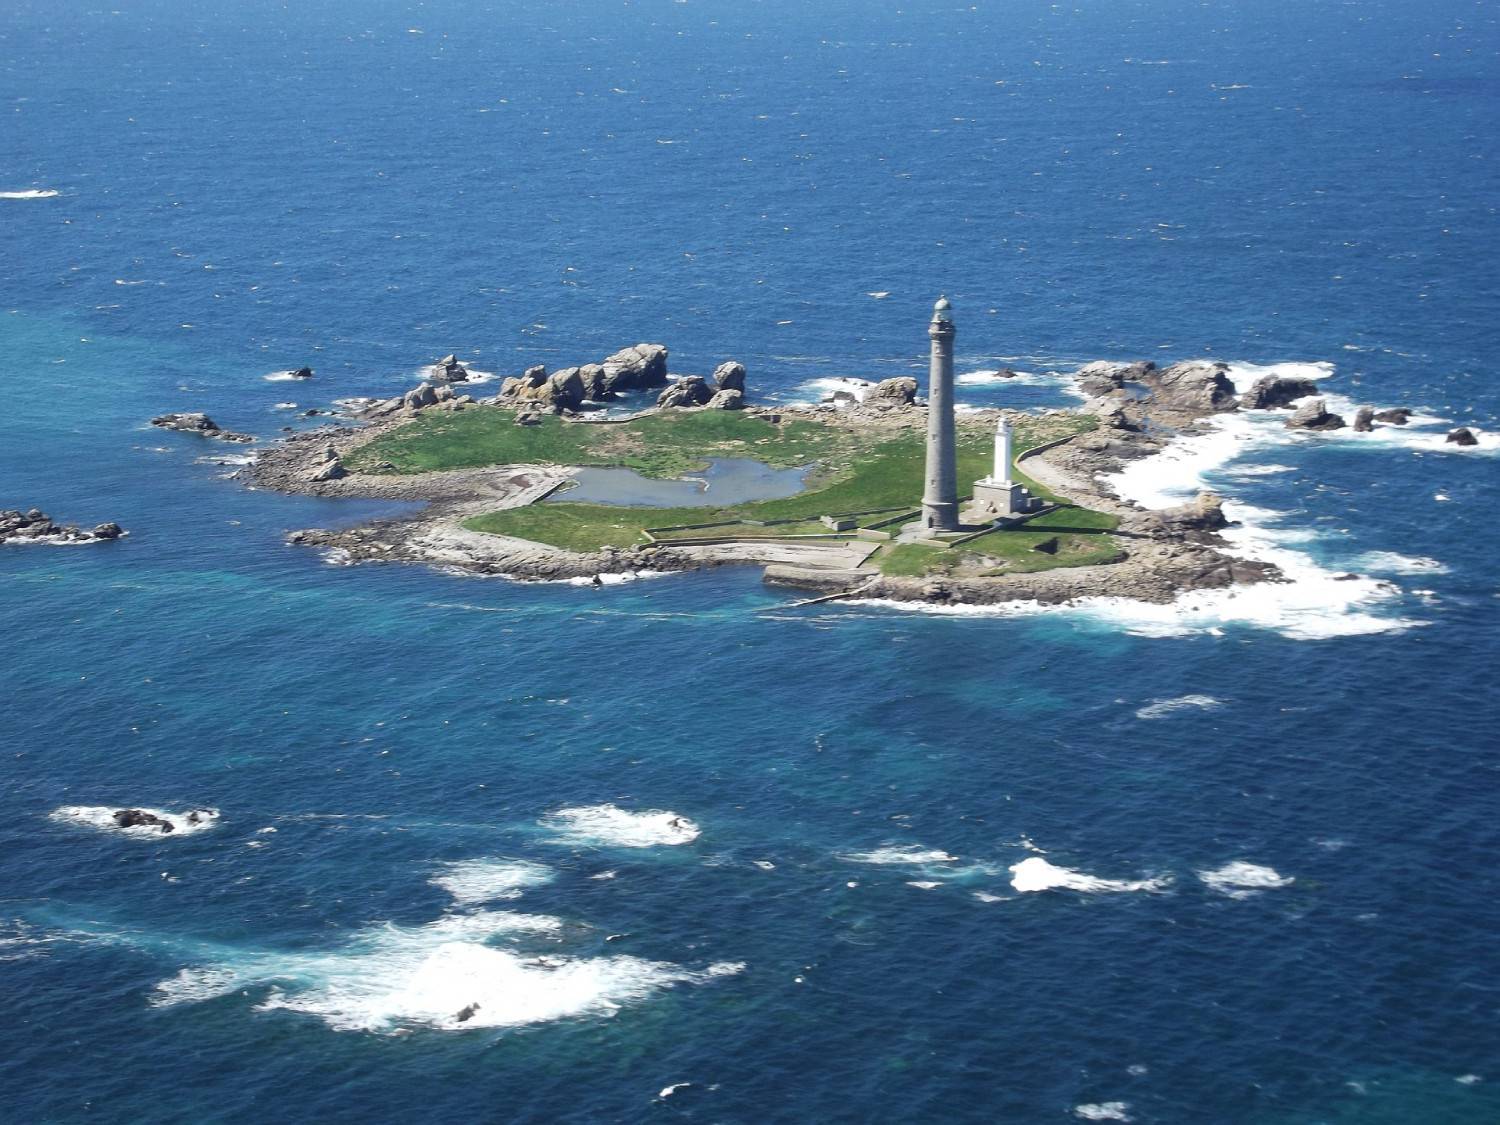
695,854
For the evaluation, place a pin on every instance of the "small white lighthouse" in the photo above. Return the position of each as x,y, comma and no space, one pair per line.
998,496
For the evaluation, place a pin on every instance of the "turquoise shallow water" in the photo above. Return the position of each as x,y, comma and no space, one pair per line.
368,187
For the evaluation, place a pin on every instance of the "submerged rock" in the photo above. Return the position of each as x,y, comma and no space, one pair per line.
1314,415
1462,436
301,373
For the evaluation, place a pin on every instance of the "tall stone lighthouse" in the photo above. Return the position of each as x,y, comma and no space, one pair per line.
940,492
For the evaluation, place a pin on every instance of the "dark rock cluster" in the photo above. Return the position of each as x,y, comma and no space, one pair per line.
200,424
36,526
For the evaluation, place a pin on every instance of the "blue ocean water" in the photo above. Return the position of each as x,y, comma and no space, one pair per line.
241,188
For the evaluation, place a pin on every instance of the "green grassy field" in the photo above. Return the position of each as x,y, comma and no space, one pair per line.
888,475
1004,552
659,445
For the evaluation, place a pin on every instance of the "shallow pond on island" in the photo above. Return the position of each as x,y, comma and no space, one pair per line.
725,481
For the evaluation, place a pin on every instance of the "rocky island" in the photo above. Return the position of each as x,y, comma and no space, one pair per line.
547,480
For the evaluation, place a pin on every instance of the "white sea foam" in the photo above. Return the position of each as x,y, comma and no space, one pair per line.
615,579
283,377
1389,562
285,406
29,193
472,881
816,390
473,373
1314,603
1103,1111
1036,874
103,816
610,826
1239,879
1161,708
446,975
911,854
995,378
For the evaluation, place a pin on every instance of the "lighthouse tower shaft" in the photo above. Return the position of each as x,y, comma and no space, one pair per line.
940,491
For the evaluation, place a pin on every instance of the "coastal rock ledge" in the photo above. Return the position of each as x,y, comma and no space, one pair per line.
200,424
35,526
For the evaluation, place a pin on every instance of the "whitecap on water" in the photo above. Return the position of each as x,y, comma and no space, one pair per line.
1103,1111
472,881
446,975
1239,879
30,193
103,817
1389,562
610,826
1036,874
1161,708
901,854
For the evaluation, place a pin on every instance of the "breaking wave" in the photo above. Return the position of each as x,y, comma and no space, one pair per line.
446,975
472,881
1161,708
609,826
901,854
29,193
1036,874
1239,879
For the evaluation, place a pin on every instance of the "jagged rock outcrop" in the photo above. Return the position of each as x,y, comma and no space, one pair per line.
729,376
1272,392
727,400
449,370
1462,436
1397,416
1364,419
1104,377
1314,415
564,390
1205,512
200,424
330,470
891,394
641,365
417,399
595,382
140,818
35,526
1193,387
1112,413
690,390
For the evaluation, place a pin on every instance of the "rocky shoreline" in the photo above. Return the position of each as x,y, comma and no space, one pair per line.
1138,407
